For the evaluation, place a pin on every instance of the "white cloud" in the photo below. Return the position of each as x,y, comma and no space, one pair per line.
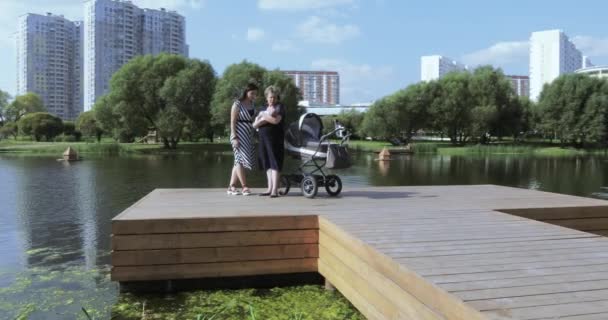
590,46
255,34
499,54
316,29
170,4
358,82
283,46
299,5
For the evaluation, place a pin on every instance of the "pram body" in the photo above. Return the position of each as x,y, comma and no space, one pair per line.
304,141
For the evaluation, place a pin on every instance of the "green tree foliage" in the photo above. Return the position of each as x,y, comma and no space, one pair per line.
4,98
496,107
236,77
22,105
230,87
88,125
9,129
451,108
574,108
157,92
40,124
352,120
382,119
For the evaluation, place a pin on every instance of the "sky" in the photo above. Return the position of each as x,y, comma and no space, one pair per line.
375,45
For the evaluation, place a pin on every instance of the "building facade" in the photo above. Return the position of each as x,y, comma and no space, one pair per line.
317,86
49,62
595,71
116,31
436,66
521,85
551,55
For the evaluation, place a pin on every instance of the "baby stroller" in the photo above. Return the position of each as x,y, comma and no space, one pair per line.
304,141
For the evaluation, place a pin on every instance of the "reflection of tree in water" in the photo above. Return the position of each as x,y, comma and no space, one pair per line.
577,176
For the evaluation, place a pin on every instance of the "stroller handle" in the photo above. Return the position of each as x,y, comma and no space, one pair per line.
331,133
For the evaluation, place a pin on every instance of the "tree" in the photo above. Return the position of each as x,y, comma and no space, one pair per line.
237,76
451,107
22,105
40,124
9,129
190,93
382,120
159,92
496,109
88,125
4,97
352,121
229,88
573,108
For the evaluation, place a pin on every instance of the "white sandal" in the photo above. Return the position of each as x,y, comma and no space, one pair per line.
246,191
233,191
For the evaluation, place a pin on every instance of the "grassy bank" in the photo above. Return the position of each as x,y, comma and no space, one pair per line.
294,303
109,147
106,147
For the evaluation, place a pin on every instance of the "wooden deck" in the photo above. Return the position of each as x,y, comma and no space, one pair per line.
447,252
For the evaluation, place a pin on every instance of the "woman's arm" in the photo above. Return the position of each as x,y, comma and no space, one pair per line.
234,114
273,120
259,121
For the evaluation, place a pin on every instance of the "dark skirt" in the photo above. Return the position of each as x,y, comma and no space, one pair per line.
271,148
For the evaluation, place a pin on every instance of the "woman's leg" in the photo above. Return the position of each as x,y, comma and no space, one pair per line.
233,177
269,180
240,172
275,182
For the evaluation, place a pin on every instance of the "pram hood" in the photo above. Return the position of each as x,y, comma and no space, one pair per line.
303,137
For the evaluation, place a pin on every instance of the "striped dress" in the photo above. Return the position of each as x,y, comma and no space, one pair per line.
245,153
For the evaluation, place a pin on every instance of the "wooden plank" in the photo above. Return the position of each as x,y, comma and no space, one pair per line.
519,273
213,270
374,285
502,258
539,300
192,225
525,281
213,239
594,316
205,255
484,294
510,267
560,213
432,296
363,304
555,311
507,247
583,224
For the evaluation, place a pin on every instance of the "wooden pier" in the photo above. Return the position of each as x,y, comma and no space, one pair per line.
441,252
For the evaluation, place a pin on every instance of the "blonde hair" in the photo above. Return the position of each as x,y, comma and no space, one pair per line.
274,91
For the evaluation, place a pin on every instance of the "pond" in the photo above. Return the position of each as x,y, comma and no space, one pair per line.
55,216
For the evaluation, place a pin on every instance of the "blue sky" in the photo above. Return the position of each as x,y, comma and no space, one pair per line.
375,44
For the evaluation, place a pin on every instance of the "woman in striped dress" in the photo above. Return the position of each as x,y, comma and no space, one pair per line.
241,138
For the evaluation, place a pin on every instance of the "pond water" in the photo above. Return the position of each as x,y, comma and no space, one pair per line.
55,216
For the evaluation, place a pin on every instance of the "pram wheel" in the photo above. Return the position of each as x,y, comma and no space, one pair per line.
333,185
284,186
309,186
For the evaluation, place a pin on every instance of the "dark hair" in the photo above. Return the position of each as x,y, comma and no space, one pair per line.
250,87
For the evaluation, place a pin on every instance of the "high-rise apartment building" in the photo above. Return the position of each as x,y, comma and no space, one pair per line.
521,85
551,55
49,62
436,66
317,86
117,31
